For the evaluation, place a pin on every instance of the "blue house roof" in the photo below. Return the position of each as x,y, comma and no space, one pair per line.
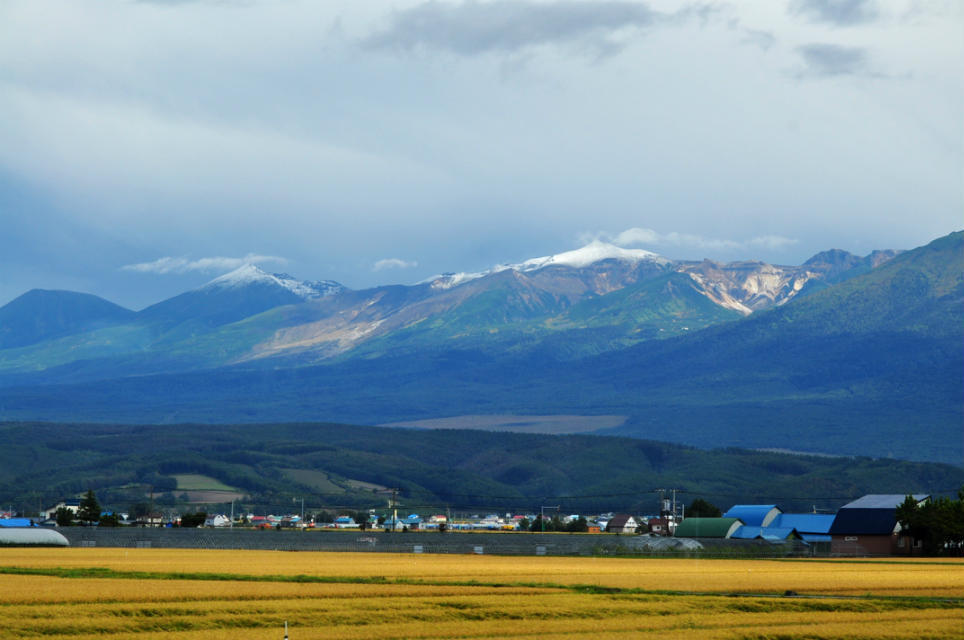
805,522
754,515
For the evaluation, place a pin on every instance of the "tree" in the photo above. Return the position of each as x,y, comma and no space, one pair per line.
524,524
194,519
937,524
577,525
700,508
65,517
109,520
89,511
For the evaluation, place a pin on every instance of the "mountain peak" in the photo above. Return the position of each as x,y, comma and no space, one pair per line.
595,251
243,275
249,274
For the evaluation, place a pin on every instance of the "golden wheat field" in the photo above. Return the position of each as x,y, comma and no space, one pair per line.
188,594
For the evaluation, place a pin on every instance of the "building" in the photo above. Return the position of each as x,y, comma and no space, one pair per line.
622,523
708,527
754,515
868,526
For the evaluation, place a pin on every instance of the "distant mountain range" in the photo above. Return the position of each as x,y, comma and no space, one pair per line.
842,354
626,295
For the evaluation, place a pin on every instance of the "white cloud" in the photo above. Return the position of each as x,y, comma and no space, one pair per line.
774,243
394,263
169,264
638,236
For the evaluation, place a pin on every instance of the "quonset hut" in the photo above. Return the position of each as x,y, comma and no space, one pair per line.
30,536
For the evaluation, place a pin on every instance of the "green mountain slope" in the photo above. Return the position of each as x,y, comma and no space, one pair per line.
457,469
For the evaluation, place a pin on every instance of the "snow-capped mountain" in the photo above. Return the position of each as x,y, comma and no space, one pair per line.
593,253
250,274
237,295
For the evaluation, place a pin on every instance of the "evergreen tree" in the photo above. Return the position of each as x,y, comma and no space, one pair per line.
65,517
700,508
89,511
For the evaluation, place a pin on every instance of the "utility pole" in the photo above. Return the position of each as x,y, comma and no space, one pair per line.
394,506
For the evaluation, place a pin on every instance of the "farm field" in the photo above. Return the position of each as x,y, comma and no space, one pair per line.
155,593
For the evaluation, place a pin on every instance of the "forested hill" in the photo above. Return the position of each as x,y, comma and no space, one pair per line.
332,464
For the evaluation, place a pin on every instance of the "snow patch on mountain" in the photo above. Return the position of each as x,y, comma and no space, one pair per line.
594,252
249,274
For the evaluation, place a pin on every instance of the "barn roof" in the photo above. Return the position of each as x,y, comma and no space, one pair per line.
756,515
767,533
707,527
805,522
882,501
874,514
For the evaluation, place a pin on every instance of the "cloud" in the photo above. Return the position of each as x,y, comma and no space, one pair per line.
833,60
773,243
169,264
637,236
762,39
394,263
841,13
509,26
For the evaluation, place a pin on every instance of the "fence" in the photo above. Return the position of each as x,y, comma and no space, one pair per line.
413,542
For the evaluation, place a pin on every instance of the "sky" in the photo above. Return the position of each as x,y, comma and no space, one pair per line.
148,147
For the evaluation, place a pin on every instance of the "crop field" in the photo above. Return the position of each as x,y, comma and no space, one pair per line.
188,594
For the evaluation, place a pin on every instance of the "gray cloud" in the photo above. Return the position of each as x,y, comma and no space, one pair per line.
762,39
842,13
833,60
509,26
169,264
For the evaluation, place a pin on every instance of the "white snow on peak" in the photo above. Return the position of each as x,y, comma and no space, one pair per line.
595,251
592,253
248,274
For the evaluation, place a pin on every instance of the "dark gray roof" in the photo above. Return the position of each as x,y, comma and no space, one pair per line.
882,501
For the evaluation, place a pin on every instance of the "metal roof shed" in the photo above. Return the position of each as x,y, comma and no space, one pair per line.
708,527
805,523
754,515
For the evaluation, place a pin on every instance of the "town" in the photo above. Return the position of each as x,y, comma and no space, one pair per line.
873,525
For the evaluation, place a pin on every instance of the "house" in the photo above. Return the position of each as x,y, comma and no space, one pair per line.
622,523
754,515
219,520
868,526
345,522
71,504
660,526
708,527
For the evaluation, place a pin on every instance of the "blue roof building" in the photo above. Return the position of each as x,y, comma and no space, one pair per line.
754,515
770,534
812,527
